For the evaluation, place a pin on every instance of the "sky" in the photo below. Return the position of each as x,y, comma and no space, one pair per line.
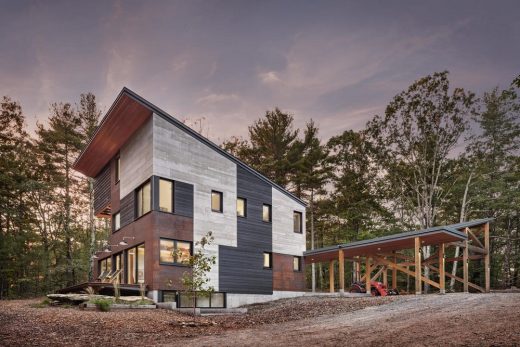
337,62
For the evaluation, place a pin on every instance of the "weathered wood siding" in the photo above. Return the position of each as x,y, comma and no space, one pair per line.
102,190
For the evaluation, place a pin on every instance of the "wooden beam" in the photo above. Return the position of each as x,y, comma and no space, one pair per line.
465,264
449,275
464,244
393,265
470,257
385,276
397,255
431,259
475,239
331,276
417,256
442,276
358,270
367,275
374,278
394,274
487,269
341,271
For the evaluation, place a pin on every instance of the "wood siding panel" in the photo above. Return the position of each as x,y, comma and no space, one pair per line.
102,190
241,268
127,209
284,277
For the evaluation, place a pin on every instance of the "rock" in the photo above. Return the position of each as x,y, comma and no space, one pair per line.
75,299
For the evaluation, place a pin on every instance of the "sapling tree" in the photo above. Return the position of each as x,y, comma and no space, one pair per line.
196,281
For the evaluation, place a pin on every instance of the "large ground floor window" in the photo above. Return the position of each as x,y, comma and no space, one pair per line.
184,300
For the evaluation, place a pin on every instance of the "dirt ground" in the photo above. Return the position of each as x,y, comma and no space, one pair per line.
447,320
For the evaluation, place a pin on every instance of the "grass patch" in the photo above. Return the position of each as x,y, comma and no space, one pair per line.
102,304
44,303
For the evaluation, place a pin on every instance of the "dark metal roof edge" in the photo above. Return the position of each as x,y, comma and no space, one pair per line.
394,237
207,142
471,223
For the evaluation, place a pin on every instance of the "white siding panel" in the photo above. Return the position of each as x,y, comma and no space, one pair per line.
136,160
285,240
179,156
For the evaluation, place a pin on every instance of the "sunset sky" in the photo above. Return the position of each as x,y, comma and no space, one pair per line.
229,61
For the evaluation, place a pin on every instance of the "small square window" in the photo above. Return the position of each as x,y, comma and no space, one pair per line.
216,201
266,213
297,226
268,260
297,264
117,221
241,207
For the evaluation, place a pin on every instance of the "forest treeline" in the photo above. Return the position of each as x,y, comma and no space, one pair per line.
438,155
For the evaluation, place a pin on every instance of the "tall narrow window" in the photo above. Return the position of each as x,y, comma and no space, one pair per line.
118,168
144,199
297,225
268,260
266,213
216,201
117,221
140,264
241,207
131,261
165,196
297,264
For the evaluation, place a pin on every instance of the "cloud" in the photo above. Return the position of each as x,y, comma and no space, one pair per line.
214,98
269,77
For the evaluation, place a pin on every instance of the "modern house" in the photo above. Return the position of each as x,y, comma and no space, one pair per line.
164,186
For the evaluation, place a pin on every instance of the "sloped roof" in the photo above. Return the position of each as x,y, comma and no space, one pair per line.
404,240
126,115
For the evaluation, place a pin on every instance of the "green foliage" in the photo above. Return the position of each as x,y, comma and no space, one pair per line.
103,305
195,281
44,303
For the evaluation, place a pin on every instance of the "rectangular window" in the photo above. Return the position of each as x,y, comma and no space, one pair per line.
118,169
268,260
297,264
131,261
216,201
120,265
117,221
241,207
297,225
215,300
266,213
174,251
144,199
140,264
165,196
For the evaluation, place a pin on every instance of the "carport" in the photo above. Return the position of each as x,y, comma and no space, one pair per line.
383,254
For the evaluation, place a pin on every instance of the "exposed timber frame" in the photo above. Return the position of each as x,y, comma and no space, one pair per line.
381,255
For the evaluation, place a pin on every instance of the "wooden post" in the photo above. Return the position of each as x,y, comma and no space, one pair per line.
385,276
487,269
358,269
341,271
418,272
465,264
394,273
368,270
331,276
442,274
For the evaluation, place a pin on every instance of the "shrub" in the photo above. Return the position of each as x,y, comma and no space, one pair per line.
103,304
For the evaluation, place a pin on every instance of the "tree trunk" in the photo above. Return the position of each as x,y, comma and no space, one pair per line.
313,266
92,228
462,218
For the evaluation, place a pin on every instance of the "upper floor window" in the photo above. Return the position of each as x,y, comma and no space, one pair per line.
241,207
268,260
216,201
118,168
297,264
266,213
297,225
165,195
117,221
144,199
174,251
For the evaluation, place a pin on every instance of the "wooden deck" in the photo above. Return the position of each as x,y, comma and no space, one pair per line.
101,288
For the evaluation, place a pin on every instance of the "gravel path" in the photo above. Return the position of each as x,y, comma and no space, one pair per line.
428,320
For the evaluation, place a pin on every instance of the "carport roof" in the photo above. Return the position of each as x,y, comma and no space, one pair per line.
395,242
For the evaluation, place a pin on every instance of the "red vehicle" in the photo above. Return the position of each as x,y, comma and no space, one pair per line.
376,288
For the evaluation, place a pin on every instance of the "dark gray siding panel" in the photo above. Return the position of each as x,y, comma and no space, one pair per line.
183,199
241,268
102,189
241,271
127,209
